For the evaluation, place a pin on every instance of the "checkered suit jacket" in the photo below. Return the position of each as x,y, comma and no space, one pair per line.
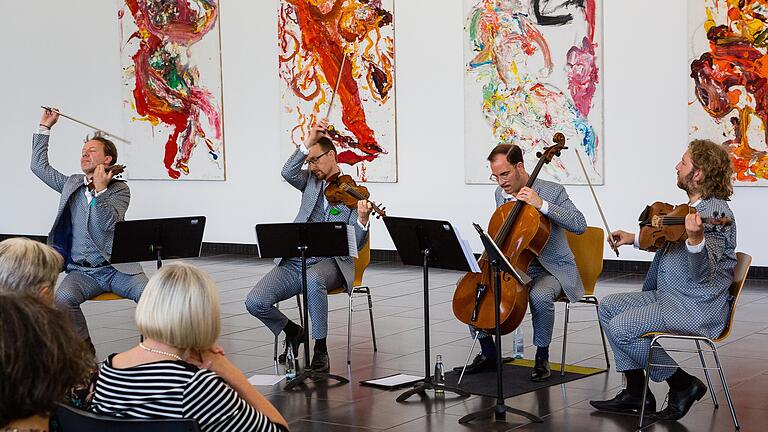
556,257
110,207
693,287
310,188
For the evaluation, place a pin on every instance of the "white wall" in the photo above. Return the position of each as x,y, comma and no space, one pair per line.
54,54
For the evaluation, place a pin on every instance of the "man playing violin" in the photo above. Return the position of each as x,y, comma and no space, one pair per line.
685,290
90,205
284,280
554,272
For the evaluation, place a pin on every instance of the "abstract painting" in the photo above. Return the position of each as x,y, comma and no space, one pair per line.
170,53
315,39
728,89
532,69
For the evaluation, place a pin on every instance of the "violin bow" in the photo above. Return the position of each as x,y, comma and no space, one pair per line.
85,124
599,209
336,88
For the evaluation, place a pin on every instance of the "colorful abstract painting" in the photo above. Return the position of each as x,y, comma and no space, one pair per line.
728,89
317,37
170,52
532,69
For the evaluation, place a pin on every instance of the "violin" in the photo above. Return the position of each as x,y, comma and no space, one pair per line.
521,232
343,189
116,169
661,223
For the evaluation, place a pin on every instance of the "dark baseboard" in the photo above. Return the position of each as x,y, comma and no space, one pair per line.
382,255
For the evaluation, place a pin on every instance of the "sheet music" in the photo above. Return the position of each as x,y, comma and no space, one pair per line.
394,380
265,380
352,241
468,254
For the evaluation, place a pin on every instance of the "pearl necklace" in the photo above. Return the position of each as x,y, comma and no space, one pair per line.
152,350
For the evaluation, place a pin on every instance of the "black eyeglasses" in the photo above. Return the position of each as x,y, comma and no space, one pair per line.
314,160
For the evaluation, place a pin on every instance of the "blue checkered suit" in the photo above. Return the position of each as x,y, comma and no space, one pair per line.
684,292
554,272
82,283
284,281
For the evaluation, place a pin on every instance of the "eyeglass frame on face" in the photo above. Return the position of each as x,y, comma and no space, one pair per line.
503,176
316,159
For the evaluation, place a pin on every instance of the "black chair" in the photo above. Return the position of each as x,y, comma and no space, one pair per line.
72,419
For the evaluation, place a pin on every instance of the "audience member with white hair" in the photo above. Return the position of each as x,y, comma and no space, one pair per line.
177,371
29,267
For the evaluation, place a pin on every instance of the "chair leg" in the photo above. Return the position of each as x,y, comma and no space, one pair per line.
645,387
725,385
370,314
706,374
602,336
565,337
349,329
469,354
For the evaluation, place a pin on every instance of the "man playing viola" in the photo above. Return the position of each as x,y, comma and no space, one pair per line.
685,290
85,225
323,274
554,272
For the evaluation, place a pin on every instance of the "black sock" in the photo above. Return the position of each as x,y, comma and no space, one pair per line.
291,329
321,346
679,380
488,347
542,353
635,381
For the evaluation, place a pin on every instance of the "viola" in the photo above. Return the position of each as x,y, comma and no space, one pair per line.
521,232
114,169
662,223
343,189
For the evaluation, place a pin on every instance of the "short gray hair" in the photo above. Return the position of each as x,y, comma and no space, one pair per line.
28,266
180,307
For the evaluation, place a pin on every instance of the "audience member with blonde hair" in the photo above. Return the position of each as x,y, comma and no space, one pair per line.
179,316
30,267
40,360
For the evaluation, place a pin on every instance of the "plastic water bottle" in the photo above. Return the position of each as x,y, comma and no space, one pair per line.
519,343
439,379
290,363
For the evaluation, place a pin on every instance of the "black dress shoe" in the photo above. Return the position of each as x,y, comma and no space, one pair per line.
678,403
320,362
626,403
294,341
541,371
479,364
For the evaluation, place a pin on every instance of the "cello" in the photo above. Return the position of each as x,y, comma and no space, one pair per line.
521,232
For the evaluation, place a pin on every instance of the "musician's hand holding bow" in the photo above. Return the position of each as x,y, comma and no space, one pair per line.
317,131
49,118
364,209
621,238
101,178
694,227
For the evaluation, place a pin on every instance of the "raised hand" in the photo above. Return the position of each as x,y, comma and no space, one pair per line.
49,117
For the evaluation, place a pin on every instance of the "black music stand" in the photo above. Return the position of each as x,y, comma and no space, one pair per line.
157,239
499,264
304,240
425,243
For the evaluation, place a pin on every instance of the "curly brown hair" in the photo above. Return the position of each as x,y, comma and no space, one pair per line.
713,161
40,359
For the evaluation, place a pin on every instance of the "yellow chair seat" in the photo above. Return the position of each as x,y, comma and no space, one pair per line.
107,296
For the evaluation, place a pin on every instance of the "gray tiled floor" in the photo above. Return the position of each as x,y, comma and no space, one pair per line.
398,310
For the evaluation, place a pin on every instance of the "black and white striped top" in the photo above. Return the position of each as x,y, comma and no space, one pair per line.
175,389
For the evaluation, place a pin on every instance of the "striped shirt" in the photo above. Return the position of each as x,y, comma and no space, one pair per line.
175,389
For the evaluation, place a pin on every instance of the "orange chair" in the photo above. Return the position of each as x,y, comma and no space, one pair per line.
740,272
587,250
361,263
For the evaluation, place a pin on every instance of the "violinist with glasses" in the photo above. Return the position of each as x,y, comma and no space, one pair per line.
686,288
318,153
